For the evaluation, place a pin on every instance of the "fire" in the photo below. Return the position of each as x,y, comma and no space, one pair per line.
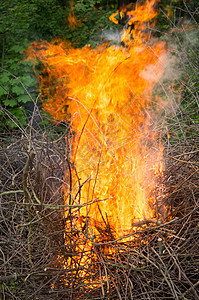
107,95
72,21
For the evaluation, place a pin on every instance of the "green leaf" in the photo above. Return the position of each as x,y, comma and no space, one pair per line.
17,48
17,112
3,91
4,77
29,81
23,99
19,90
9,102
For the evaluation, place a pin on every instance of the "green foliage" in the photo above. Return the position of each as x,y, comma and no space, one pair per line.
92,19
20,23
174,13
16,84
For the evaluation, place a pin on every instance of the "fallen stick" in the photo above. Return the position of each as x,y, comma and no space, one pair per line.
146,222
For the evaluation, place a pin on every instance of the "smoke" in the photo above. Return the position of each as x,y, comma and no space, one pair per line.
179,76
113,36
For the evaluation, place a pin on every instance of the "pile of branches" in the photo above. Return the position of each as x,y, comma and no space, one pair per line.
154,261
32,166
45,254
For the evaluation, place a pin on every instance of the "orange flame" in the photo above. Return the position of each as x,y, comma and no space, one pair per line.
113,19
107,95
71,17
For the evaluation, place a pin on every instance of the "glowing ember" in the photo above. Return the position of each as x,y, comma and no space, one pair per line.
106,93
